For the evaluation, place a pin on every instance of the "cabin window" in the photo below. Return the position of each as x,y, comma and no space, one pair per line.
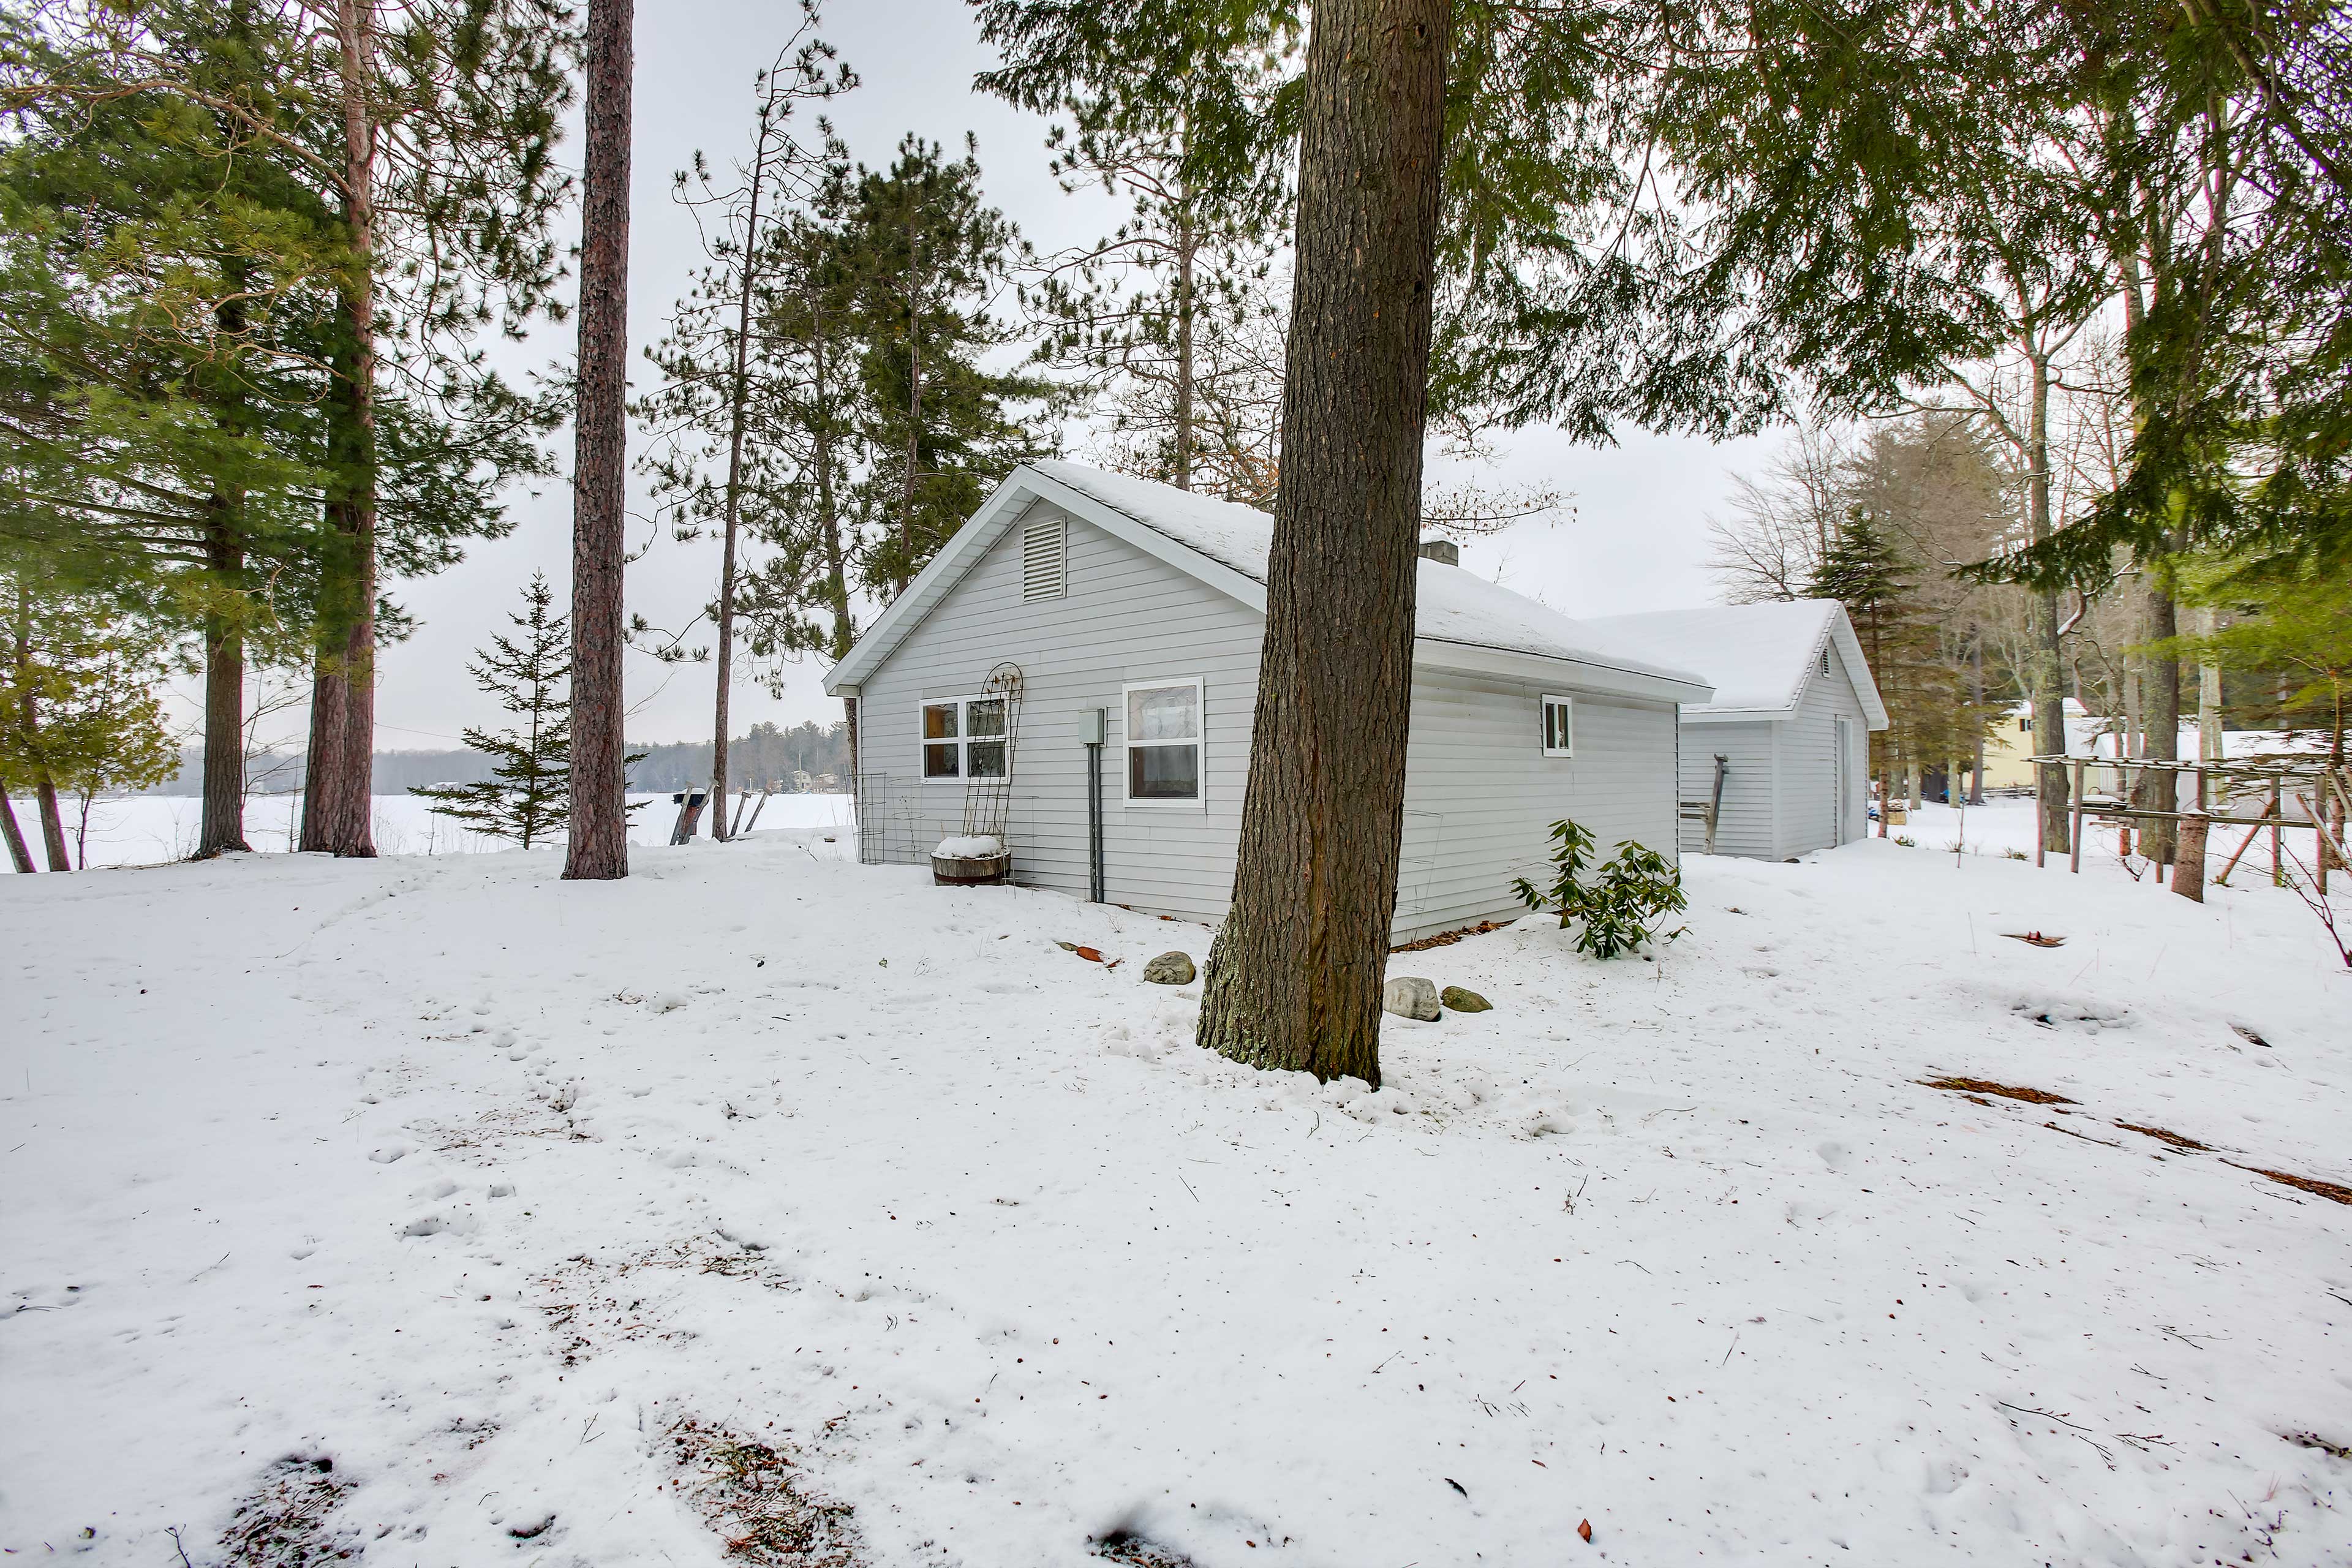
1164,743
1044,558
1559,726
963,737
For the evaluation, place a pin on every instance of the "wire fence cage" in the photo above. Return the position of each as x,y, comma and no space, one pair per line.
890,827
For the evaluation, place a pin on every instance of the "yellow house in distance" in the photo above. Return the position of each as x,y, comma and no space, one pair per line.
2012,742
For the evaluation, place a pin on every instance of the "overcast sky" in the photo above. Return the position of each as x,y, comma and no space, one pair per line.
1637,540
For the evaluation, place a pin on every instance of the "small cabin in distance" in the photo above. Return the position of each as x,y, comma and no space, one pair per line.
1790,719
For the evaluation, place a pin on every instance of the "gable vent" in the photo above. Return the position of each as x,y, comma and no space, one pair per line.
1044,558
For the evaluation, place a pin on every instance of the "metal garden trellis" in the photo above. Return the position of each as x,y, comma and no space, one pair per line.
988,795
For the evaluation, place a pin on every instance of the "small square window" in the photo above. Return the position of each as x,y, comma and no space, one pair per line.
1559,726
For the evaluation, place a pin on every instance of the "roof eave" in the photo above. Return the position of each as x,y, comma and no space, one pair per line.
1478,658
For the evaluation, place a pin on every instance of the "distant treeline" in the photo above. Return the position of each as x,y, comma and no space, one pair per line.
769,757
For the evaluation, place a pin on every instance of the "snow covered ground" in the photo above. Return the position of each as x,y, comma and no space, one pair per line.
609,1223
149,829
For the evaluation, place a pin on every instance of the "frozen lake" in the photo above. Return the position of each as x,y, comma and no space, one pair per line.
150,829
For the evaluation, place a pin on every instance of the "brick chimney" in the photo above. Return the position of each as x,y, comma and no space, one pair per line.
1443,551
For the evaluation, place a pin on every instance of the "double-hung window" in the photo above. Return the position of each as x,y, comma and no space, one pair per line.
1163,744
1559,726
963,738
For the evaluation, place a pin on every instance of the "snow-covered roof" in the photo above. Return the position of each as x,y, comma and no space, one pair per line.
1758,656
1462,621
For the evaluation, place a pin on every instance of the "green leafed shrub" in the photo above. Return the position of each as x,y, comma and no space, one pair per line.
1621,907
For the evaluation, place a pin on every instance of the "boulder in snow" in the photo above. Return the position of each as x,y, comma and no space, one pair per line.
1410,997
1170,969
1462,1001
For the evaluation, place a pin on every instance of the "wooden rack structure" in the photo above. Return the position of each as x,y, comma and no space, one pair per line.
2321,791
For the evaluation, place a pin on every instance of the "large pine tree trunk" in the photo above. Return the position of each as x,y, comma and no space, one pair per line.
1188,245
2157,791
350,816
53,825
322,763
222,828
2046,666
28,721
19,855
1296,972
599,847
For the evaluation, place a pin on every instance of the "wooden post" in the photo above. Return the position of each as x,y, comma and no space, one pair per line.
2243,844
2278,811
2188,855
2074,839
2041,813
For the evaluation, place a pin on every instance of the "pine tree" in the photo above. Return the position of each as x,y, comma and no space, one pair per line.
1142,312
927,255
403,157
599,847
78,710
818,525
720,377
1868,572
1294,979
528,797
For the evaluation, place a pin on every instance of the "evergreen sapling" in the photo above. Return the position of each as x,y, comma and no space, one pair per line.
528,797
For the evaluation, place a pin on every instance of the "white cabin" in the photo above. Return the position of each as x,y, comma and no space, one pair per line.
1115,594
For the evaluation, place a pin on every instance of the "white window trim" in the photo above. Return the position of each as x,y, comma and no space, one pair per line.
963,737
1126,744
1543,724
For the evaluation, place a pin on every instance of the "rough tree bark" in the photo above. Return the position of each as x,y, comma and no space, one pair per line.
2162,695
2045,669
338,801
1188,246
320,760
28,719
221,827
739,398
351,814
53,825
19,855
1295,975
599,848
902,576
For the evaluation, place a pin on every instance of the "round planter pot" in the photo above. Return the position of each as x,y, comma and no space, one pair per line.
948,872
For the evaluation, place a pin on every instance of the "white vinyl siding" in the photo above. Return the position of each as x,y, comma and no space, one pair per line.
1479,801
1778,798
1558,726
1808,762
1480,795
1745,824
1126,618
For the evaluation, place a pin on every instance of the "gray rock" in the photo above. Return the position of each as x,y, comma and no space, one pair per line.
1462,1001
1170,969
1410,997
